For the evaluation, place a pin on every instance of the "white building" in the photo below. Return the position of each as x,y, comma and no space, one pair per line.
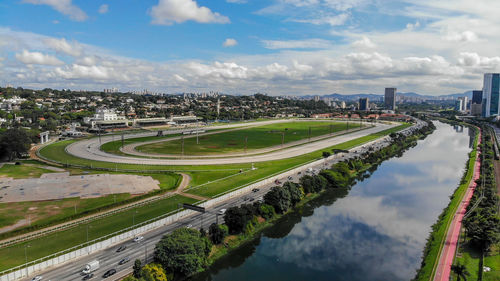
106,118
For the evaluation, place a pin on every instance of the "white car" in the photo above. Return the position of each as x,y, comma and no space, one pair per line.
222,211
37,278
138,238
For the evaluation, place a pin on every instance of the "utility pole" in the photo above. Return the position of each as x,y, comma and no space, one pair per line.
26,257
182,145
122,140
282,139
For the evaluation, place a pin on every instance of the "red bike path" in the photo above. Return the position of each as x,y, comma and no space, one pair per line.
448,252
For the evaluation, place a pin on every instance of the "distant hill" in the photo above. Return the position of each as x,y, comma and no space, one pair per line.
375,97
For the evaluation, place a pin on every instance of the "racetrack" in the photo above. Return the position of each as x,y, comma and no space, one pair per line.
90,148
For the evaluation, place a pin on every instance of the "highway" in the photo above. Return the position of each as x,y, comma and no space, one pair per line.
90,149
109,258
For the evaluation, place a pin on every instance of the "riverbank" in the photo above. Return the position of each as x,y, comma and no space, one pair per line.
437,237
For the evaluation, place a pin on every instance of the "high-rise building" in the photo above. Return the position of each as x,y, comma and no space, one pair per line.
390,98
491,94
476,104
458,104
364,104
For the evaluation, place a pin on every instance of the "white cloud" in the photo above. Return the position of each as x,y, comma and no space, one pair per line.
412,26
330,20
61,45
65,7
103,9
297,44
364,43
168,12
37,58
465,36
230,42
179,78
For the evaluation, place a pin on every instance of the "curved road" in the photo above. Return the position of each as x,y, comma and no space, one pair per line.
90,149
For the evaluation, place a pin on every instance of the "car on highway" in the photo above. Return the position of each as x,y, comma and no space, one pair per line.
88,276
260,199
109,273
255,190
290,178
37,278
124,260
189,226
138,238
121,249
251,199
277,182
222,211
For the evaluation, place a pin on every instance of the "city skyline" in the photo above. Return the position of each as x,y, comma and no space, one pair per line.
243,47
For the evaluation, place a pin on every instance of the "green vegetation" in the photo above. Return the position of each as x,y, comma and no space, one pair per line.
183,252
114,146
15,142
257,138
437,237
46,213
59,241
22,171
482,224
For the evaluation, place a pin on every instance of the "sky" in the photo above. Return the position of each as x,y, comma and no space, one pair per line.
278,47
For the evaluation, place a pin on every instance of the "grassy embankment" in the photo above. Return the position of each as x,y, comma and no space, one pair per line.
46,213
59,241
437,237
22,171
258,137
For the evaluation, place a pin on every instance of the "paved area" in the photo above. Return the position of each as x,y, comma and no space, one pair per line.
60,185
443,269
90,149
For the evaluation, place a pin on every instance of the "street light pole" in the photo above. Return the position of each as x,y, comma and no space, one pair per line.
26,257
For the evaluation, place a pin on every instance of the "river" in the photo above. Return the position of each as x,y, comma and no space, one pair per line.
375,231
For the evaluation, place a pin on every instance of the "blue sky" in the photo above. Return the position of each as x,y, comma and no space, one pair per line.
241,47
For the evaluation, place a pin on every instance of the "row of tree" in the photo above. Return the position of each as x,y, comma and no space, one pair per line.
15,142
482,224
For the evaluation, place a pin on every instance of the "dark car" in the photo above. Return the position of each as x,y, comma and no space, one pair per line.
255,189
109,273
122,248
88,276
124,260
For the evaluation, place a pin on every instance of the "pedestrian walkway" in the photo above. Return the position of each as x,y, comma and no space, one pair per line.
443,269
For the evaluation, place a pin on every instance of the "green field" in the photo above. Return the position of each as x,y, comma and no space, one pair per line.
257,138
266,169
53,243
22,171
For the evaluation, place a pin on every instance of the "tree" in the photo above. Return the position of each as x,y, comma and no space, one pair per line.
183,252
137,268
312,184
296,192
153,272
236,218
266,211
460,270
217,232
14,142
280,198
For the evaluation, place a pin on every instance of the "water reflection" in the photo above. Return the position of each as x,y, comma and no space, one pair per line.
376,232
